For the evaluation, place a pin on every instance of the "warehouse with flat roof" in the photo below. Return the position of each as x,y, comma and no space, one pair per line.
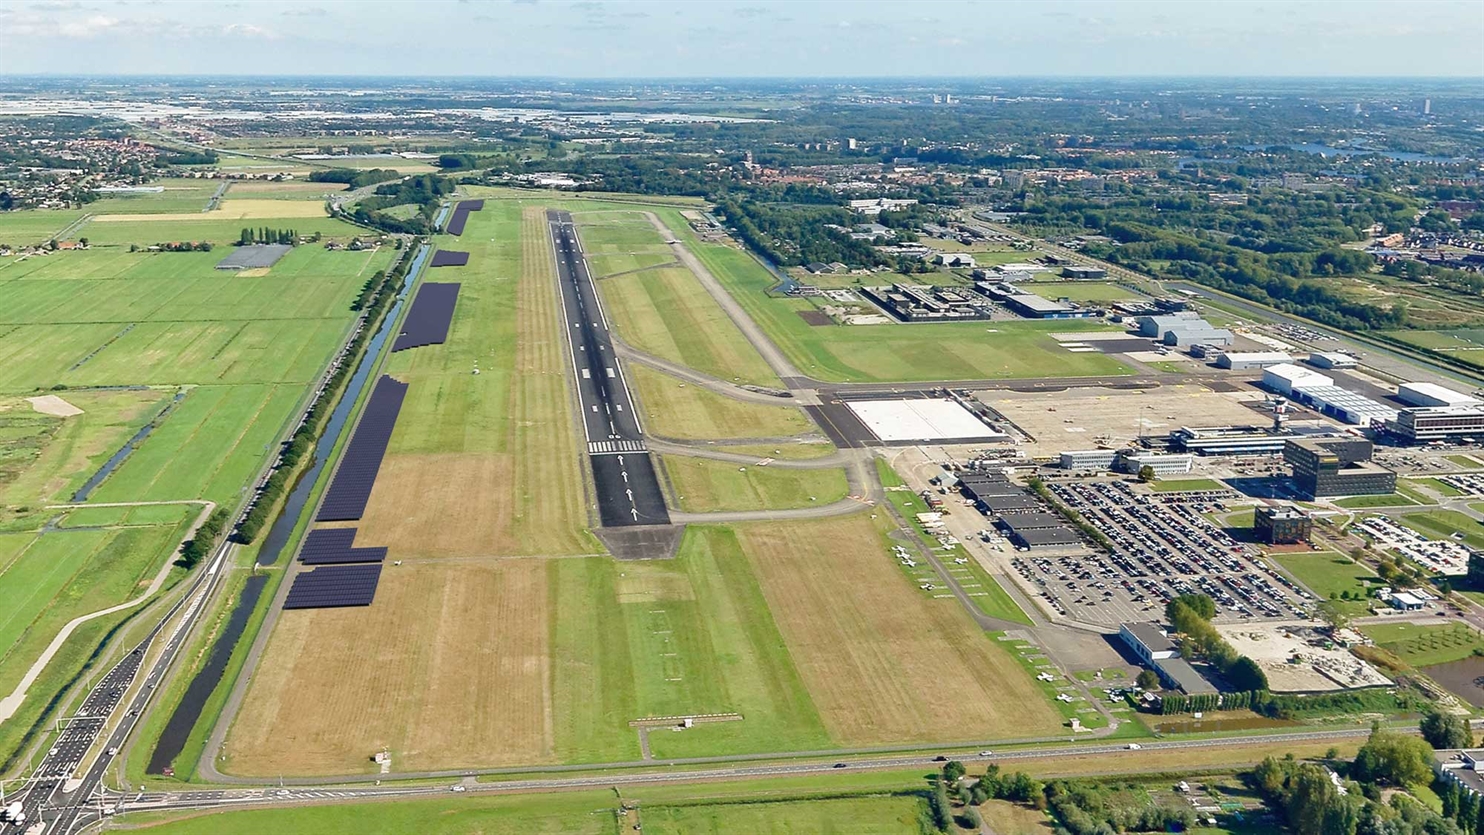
1432,394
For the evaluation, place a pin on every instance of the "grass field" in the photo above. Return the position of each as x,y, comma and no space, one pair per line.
665,311
1364,502
702,485
676,409
1422,646
1091,292
1328,574
865,656
977,350
213,228
1178,485
792,450
36,226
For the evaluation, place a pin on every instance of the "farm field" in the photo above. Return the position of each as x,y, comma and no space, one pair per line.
1421,645
665,311
216,229
1328,574
676,409
702,485
34,227
212,363
179,195
883,353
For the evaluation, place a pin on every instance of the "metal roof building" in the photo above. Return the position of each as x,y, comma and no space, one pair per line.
1344,404
1432,394
1179,675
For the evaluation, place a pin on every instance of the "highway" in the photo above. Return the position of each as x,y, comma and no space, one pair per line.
225,798
628,490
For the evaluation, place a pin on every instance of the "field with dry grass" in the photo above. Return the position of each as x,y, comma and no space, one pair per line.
449,668
883,662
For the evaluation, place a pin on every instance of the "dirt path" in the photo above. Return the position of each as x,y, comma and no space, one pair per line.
10,704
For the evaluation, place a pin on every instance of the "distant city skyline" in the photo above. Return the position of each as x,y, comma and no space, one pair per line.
744,38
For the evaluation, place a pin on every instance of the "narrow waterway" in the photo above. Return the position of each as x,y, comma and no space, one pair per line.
129,446
283,526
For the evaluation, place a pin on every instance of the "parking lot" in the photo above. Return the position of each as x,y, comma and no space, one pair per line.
1162,547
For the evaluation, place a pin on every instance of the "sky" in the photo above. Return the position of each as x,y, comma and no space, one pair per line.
745,38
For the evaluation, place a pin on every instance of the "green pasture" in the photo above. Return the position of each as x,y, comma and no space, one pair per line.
121,233
34,226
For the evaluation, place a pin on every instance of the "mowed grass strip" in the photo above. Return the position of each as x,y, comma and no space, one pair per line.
883,663
676,409
666,312
143,231
703,485
449,668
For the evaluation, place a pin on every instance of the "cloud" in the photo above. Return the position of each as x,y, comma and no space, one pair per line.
249,30
307,11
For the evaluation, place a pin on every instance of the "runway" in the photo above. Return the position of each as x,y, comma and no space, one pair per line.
628,491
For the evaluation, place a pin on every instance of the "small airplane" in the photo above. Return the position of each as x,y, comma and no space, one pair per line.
961,560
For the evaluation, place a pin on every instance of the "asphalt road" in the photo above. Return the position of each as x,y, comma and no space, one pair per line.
628,490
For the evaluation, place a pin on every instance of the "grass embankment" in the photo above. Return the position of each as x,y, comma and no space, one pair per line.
702,485
684,411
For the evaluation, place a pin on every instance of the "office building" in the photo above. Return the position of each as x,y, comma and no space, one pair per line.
1088,459
1163,464
1282,525
1336,467
1421,426
1227,440
1147,641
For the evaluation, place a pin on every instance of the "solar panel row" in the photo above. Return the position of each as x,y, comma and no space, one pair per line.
460,214
333,586
450,258
427,322
346,499
333,546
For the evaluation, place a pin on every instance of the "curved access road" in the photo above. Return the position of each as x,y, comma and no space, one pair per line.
697,378
10,704
860,478
836,459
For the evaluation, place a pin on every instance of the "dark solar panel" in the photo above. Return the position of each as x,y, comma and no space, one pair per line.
427,322
450,258
351,488
332,586
460,215
333,546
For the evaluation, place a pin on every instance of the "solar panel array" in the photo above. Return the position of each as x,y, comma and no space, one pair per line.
450,258
334,546
461,210
346,499
427,322
333,586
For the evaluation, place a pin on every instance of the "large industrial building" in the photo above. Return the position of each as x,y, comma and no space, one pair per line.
1344,404
926,303
1336,467
1432,394
1421,426
1237,361
1155,326
1198,332
1284,378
